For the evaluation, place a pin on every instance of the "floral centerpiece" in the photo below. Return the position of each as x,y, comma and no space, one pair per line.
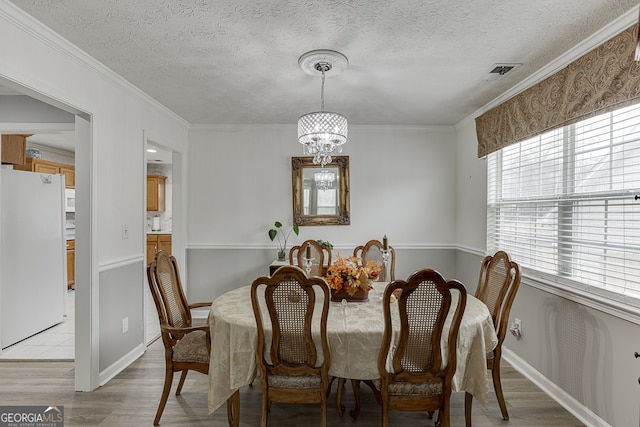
347,278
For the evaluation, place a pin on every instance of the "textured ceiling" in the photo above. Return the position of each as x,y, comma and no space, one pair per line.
412,62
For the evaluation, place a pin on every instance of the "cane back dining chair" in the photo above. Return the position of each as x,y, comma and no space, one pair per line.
186,347
321,257
414,375
372,251
497,287
292,355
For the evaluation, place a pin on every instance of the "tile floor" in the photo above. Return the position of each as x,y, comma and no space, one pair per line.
55,343
58,342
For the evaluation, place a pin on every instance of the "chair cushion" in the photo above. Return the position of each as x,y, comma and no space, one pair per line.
412,389
295,382
192,348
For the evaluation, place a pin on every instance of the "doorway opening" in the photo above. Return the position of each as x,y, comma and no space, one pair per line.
46,328
34,113
159,223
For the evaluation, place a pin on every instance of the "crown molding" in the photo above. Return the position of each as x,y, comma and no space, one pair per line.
19,18
596,39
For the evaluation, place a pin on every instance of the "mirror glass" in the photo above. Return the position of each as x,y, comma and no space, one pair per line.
320,194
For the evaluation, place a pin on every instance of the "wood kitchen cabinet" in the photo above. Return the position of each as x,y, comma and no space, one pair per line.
157,242
164,243
14,148
46,166
156,185
69,173
71,264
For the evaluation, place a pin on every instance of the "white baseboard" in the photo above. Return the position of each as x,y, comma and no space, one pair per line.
121,364
567,401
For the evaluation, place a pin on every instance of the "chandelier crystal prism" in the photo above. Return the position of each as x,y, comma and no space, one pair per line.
324,179
322,133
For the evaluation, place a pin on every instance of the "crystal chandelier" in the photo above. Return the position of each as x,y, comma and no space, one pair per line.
324,179
322,133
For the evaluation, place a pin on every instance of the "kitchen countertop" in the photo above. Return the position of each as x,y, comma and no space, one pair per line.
159,232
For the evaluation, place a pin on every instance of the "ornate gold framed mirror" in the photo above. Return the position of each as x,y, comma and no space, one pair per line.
320,194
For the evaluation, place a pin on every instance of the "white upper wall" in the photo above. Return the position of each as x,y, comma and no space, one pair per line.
120,114
471,191
21,109
402,184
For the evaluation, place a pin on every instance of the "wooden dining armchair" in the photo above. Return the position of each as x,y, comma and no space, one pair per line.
186,347
292,355
414,375
497,287
321,257
372,251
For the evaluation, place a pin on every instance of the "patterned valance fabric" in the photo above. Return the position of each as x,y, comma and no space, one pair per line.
605,79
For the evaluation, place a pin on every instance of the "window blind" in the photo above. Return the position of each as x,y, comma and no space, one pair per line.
564,204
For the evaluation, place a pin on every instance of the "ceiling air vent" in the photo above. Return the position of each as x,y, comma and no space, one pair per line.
498,71
502,69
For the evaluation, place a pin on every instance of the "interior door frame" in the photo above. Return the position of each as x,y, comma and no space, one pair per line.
177,206
86,306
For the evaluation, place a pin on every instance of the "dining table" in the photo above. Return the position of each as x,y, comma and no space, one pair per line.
354,330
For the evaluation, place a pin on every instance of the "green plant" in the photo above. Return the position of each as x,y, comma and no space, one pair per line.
279,235
325,244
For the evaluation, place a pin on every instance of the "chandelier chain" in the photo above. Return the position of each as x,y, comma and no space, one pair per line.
322,93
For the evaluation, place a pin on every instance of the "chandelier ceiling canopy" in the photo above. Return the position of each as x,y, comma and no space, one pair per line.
322,133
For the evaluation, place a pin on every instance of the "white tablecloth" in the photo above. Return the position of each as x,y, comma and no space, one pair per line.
355,333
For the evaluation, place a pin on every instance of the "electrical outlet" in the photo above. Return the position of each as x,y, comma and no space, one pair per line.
125,231
516,328
125,325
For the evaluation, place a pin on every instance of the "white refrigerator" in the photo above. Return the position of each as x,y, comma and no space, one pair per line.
33,261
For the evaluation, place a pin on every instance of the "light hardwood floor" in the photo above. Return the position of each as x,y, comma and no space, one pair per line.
131,398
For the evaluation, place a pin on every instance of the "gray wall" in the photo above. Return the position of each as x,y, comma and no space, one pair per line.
115,284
